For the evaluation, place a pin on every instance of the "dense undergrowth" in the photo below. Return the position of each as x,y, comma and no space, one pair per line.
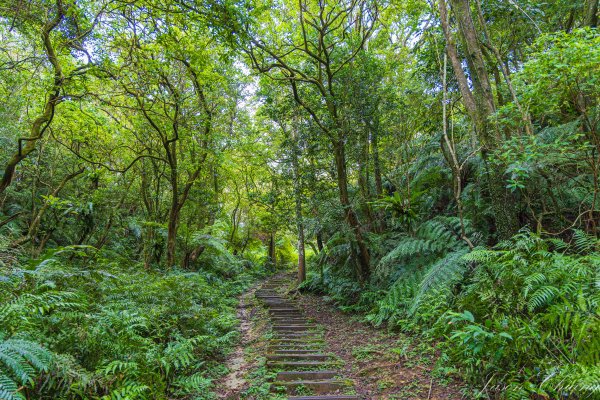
519,320
405,143
79,323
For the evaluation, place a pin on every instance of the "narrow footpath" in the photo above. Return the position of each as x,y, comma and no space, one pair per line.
297,352
299,346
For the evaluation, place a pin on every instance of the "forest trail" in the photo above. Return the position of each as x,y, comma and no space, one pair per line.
233,383
311,350
297,351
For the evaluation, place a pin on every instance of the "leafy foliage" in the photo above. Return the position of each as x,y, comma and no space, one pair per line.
435,162
97,326
20,363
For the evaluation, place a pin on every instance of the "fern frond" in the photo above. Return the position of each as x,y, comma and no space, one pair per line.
442,273
584,243
20,362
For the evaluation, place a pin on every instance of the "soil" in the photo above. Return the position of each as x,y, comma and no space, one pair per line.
231,385
382,365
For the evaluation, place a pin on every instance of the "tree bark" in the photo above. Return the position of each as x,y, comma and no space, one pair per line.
298,200
363,180
591,13
480,106
272,257
381,224
175,206
364,270
319,240
53,98
483,94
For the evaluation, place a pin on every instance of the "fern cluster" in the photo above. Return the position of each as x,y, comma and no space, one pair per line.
544,296
520,320
82,325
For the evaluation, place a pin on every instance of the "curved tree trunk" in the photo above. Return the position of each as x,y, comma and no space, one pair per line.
53,98
349,213
35,223
480,106
298,209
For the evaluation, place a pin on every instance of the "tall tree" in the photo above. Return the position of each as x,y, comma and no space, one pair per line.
480,105
311,54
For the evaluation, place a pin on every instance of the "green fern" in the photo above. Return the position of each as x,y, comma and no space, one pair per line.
584,243
543,294
582,381
432,239
21,361
440,276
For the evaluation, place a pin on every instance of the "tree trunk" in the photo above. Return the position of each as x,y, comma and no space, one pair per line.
376,162
53,98
480,105
483,94
591,13
381,225
320,241
349,213
363,181
299,219
271,259
175,207
301,253
35,223
172,232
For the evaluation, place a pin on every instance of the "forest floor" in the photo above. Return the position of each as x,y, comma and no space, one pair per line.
238,363
381,365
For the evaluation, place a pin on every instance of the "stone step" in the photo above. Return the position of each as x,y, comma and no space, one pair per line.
269,297
317,387
306,375
269,293
295,333
305,337
286,314
293,327
297,341
313,347
272,302
290,321
294,365
298,357
295,351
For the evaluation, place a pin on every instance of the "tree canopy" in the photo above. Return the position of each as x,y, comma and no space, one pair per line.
429,163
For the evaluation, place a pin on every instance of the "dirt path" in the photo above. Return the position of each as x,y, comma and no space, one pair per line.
232,384
382,365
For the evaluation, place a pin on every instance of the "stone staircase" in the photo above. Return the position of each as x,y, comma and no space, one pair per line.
296,351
